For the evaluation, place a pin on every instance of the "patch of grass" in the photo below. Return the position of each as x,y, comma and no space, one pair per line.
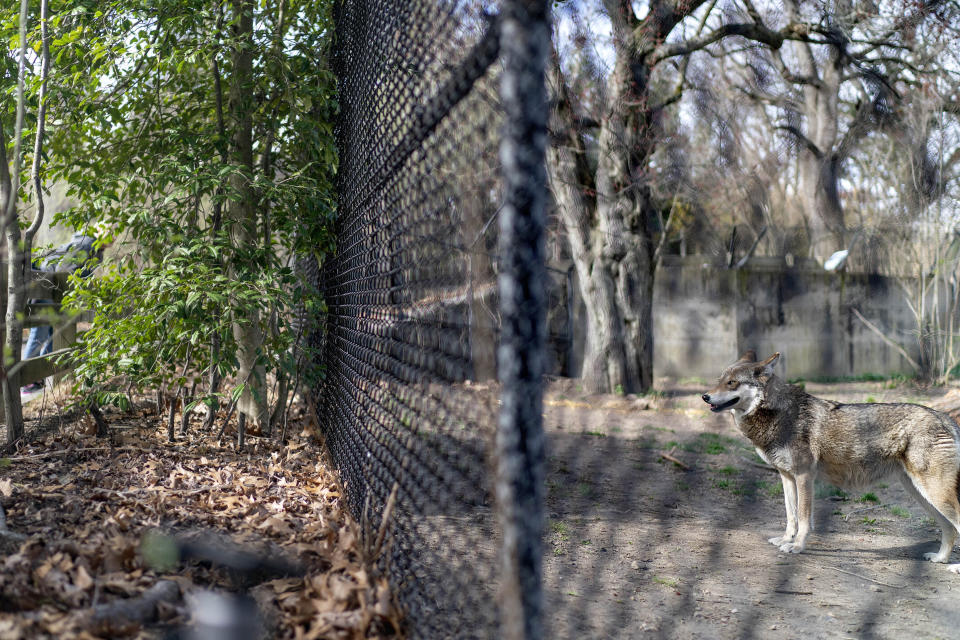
868,497
561,535
618,390
721,484
673,583
871,399
673,444
869,521
646,442
596,434
899,511
683,486
694,380
616,429
715,444
584,489
771,487
729,470
585,543
664,429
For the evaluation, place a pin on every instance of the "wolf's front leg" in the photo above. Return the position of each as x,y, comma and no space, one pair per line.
790,501
804,489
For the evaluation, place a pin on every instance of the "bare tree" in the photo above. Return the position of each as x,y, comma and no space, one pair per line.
830,93
601,172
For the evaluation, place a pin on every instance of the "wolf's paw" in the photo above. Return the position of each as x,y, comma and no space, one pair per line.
791,547
938,557
779,540
955,568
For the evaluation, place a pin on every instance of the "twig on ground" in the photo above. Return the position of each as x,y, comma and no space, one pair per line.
165,490
61,452
385,522
679,463
856,575
862,509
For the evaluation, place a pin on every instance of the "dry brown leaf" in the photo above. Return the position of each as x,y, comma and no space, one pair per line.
120,583
284,585
83,580
342,588
276,525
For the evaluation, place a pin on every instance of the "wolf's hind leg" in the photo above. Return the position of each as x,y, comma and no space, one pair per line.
940,501
790,501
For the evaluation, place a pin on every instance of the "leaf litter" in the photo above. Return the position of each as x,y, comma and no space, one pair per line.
94,524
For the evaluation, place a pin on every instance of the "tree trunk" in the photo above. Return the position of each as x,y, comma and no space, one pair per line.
12,407
820,157
14,297
242,212
608,223
606,217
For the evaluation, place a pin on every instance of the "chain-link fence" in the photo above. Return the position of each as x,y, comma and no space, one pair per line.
435,325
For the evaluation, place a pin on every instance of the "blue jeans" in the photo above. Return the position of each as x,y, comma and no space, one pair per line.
39,342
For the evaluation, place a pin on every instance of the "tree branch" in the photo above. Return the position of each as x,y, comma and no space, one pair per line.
751,31
38,141
678,91
804,140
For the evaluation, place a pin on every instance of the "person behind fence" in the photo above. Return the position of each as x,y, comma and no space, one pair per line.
79,253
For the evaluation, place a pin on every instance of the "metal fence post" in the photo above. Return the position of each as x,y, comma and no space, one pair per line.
525,46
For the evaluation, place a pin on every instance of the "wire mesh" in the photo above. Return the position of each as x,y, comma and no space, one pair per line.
409,398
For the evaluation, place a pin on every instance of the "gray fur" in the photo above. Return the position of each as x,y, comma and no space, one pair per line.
851,445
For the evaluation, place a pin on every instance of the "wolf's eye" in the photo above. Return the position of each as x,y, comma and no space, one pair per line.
732,384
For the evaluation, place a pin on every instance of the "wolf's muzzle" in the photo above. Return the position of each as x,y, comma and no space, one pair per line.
719,407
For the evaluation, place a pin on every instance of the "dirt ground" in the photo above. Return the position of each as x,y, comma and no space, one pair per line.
639,546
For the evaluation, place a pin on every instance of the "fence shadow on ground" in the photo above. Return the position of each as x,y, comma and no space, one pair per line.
639,547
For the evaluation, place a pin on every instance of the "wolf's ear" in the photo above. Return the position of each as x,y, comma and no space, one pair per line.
765,368
748,356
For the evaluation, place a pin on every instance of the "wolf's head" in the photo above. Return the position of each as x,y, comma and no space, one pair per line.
741,385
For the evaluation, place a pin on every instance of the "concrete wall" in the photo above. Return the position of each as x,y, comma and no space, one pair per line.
705,316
